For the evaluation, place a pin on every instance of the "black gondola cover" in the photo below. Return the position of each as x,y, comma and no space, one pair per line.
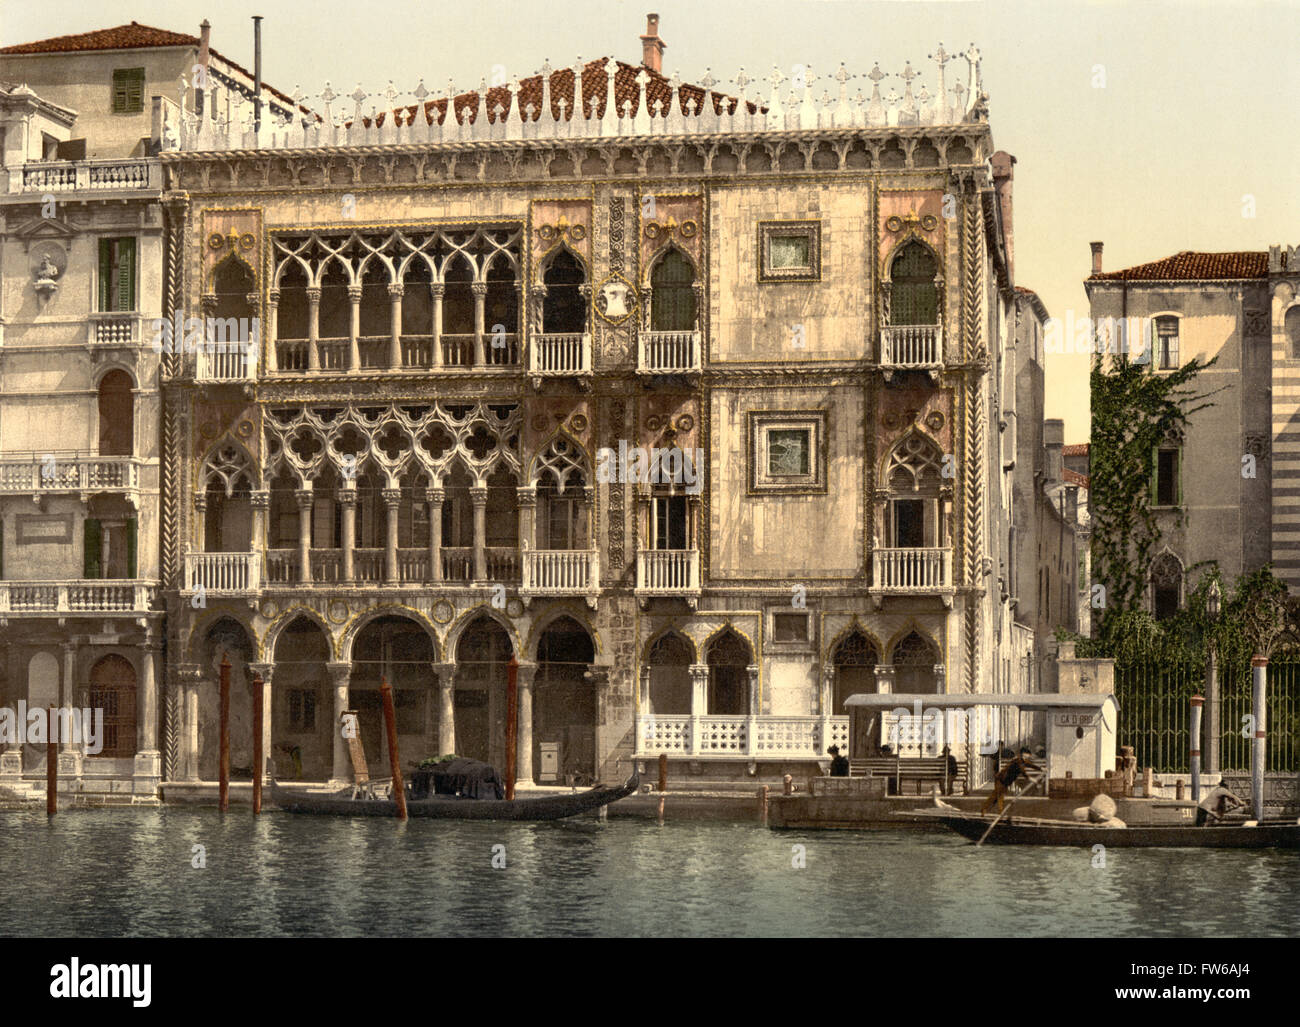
470,779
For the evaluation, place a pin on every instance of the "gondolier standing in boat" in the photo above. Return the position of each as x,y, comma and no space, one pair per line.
1007,776
1216,806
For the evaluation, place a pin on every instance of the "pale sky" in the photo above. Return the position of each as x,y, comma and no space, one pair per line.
1198,107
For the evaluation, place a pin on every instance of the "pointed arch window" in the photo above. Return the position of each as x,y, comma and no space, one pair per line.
672,283
1166,586
914,477
914,294
563,502
564,307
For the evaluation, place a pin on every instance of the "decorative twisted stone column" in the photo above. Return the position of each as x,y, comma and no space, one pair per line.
524,749
304,498
392,499
434,497
313,327
479,289
347,499
395,325
446,707
339,675
478,496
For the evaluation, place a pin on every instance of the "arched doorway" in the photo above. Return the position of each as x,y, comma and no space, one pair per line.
226,636
482,656
112,689
564,704
729,659
854,662
670,676
396,649
302,706
116,415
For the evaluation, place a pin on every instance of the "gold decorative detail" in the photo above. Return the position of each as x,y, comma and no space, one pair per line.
442,612
685,423
934,420
578,422
616,299
927,222
244,429
269,609
562,229
654,422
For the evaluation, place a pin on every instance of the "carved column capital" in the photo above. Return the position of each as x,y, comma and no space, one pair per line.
396,290
354,293
526,495
260,499
265,670
340,673
436,290
347,496
478,495
392,497
479,288
313,293
437,494
304,498
273,297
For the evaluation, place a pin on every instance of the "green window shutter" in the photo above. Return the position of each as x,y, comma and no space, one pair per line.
128,90
125,274
93,536
130,548
105,274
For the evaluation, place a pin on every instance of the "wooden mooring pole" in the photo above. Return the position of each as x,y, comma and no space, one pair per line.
223,767
394,762
259,687
512,724
51,766
663,771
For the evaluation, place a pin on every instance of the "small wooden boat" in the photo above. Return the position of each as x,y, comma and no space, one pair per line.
452,807
1033,831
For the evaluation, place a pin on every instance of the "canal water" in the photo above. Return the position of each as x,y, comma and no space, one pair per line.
114,873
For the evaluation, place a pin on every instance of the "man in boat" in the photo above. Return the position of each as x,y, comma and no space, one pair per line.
1216,805
839,764
1012,772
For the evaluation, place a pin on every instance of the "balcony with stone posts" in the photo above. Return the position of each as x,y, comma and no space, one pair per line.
912,571
668,573
234,362
106,597
112,329
663,353
67,471
102,177
559,354
561,572
911,348
223,574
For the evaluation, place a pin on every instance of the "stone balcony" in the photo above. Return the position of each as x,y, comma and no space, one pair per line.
140,174
60,471
735,737
230,574
113,329
101,596
230,363
445,352
911,348
370,567
668,352
668,573
912,572
561,572
559,354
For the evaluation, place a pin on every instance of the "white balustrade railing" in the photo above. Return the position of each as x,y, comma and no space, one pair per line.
771,737
668,571
543,107
133,173
559,353
100,596
911,570
59,472
911,346
223,572
113,329
668,352
560,571
231,363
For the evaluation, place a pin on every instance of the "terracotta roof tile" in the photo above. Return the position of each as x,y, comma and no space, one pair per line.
1075,449
1194,267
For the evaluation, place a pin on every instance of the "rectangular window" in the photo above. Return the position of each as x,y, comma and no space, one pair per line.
670,523
117,274
909,523
1166,343
790,627
128,90
302,710
1167,477
787,451
789,251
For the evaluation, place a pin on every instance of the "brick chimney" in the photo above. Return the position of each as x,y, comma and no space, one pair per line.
1003,163
652,47
1096,257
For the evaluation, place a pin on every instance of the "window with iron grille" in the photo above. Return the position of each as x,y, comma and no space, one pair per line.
914,296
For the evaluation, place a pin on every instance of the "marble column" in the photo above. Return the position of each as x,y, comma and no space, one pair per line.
304,498
395,326
436,291
755,695
480,303
524,747
260,502
68,700
347,498
313,327
699,701
339,674
272,329
478,496
190,678
200,524
434,497
392,501
266,670
147,713
354,329
446,707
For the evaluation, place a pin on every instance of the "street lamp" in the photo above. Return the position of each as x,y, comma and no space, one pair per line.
1213,607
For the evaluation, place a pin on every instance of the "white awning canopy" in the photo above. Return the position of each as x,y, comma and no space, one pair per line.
1020,700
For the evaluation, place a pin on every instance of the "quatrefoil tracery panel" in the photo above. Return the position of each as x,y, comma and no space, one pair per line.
563,461
394,441
228,465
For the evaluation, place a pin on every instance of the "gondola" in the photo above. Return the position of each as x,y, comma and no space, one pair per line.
452,807
1031,831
